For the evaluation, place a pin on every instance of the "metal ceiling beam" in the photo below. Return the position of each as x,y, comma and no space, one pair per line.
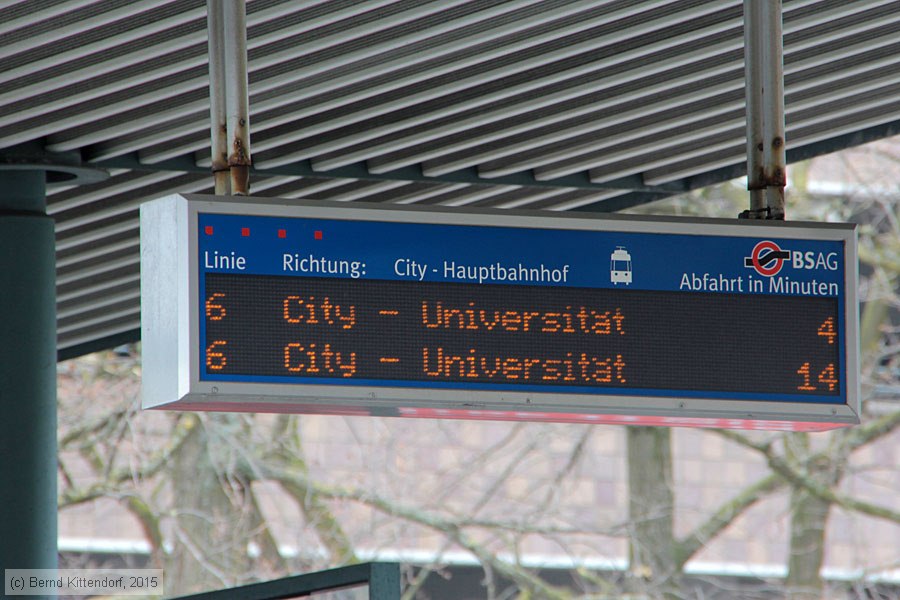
798,153
534,150
821,107
576,157
664,47
262,105
151,28
360,171
258,64
554,77
95,342
266,105
866,5
154,85
818,132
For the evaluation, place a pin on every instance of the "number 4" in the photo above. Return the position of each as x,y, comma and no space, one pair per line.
828,378
826,329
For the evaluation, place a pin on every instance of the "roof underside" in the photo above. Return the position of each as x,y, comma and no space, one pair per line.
537,104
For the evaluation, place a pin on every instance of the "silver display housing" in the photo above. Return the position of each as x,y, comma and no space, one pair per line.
171,346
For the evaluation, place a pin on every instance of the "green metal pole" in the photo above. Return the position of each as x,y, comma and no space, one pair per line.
28,528
384,581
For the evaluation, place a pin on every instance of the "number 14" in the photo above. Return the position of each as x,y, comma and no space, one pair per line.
826,376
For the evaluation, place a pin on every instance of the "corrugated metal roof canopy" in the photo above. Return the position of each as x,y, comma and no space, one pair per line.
539,104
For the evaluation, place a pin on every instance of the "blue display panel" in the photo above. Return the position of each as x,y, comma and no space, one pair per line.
269,305
423,305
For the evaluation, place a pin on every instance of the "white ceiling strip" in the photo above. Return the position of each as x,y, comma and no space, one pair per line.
530,198
39,16
439,168
97,269
433,191
480,193
112,187
371,111
72,30
310,190
87,288
99,333
96,235
735,156
98,250
82,52
309,106
370,190
131,308
164,46
69,312
465,83
108,111
130,204
591,199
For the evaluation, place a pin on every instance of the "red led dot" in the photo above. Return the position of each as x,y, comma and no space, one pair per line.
208,230
282,233
318,235
245,231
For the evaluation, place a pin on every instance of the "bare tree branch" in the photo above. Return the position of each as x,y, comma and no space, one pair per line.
741,439
148,520
801,479
111,484
481,459
88,430
574,457
725,516
309,498
263,535
853,439
864,434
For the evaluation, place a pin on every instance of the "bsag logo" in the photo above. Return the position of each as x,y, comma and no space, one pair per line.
767,258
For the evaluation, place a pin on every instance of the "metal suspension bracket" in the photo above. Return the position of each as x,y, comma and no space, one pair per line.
764,88
62,168
229,96
217,114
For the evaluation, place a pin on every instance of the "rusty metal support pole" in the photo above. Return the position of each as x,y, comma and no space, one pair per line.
236,95
774,156
753,93
215,22
764,87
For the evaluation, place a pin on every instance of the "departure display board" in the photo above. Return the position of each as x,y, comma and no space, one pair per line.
262,305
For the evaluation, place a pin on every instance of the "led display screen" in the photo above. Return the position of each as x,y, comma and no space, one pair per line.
307,307
287,329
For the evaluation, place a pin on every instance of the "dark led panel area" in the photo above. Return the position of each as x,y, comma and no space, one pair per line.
297,306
